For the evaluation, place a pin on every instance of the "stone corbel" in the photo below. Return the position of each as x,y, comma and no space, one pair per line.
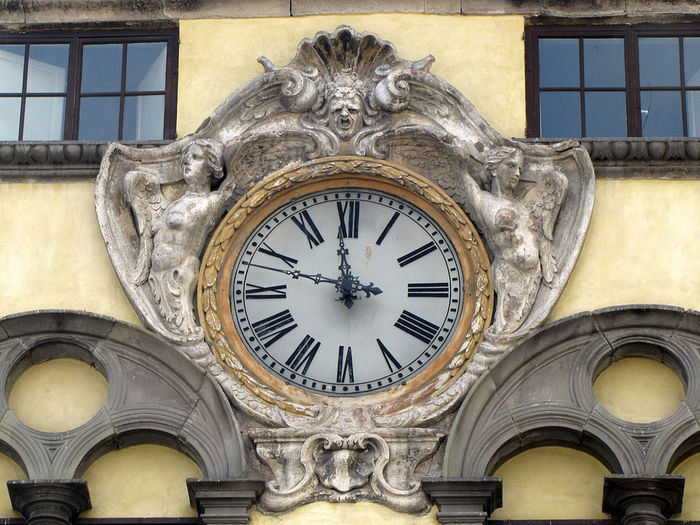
643,500
464,500
379,465
49,502
224,501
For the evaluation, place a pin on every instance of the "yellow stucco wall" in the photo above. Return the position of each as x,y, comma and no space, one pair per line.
690,468
639,390
642,248
551,483
8,470
53,254
58,395
141,481
483,57
346,513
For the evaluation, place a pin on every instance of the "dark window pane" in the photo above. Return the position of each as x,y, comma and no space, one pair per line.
691,53
692,100
658,62
143,117
43,118
48,68
560,114
99,118
559,62
661,114
606,114
102,68
603,62
145,66
9,118
11,68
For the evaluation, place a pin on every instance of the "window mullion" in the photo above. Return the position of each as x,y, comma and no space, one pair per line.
582,87
70,131
23,100
681,58
634,104
121,95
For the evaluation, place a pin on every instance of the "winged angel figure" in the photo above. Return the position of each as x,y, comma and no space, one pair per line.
169,250
519,232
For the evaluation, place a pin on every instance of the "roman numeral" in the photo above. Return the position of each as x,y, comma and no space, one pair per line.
345,370
313,235
391,361
387,228
416,254
349,216
303,354
272,328
416,326
267,250
428,289
253,291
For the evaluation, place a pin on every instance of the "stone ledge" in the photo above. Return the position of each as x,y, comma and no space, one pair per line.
618,158
22,14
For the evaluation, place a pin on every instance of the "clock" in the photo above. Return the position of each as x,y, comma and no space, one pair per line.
338,286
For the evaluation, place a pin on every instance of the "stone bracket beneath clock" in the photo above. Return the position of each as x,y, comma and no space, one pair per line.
379,465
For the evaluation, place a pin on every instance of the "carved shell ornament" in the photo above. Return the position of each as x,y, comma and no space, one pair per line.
345,114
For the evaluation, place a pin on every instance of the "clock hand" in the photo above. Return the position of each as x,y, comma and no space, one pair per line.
345,288
355,285
295,274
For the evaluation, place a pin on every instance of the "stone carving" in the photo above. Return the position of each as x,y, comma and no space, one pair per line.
338,467
344,94
519,232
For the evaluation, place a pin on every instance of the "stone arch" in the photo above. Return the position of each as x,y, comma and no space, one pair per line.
540,393
156,396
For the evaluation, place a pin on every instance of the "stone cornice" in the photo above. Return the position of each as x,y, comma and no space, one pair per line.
618,158
31,14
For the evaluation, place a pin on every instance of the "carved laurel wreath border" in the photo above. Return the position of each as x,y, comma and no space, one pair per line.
279,182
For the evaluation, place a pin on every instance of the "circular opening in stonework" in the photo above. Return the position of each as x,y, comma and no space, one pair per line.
58,395
639,390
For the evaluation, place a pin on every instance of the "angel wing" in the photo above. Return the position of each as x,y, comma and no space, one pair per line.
141,192
543,201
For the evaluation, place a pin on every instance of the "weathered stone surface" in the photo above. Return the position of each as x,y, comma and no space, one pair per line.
49,502
224,501
643,500
443,7
465,500
554,372
225,8
316,7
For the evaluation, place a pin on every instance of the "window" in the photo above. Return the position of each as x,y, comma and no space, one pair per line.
88,86
611,81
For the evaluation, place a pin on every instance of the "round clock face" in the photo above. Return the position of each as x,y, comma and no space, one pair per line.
346,291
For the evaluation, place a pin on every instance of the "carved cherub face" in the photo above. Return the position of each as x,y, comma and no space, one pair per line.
346,113
509,170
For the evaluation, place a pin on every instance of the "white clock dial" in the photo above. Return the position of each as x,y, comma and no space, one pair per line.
346,292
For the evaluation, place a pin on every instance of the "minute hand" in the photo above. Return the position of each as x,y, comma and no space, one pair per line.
295,274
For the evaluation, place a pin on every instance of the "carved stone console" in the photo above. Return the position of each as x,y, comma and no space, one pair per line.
224,501
464,500
49,502
643,500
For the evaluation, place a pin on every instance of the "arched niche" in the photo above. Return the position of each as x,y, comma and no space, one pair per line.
156,396
540,393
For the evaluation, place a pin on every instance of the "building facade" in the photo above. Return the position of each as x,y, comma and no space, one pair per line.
590,415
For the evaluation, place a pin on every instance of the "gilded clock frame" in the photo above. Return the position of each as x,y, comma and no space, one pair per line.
213,299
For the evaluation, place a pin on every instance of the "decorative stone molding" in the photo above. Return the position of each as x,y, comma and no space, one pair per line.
224,501
156,396
624,158
32,13
541,392
464,500
49,502
379,465
643,500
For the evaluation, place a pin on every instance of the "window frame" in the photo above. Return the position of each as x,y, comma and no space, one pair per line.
76,40
630,35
